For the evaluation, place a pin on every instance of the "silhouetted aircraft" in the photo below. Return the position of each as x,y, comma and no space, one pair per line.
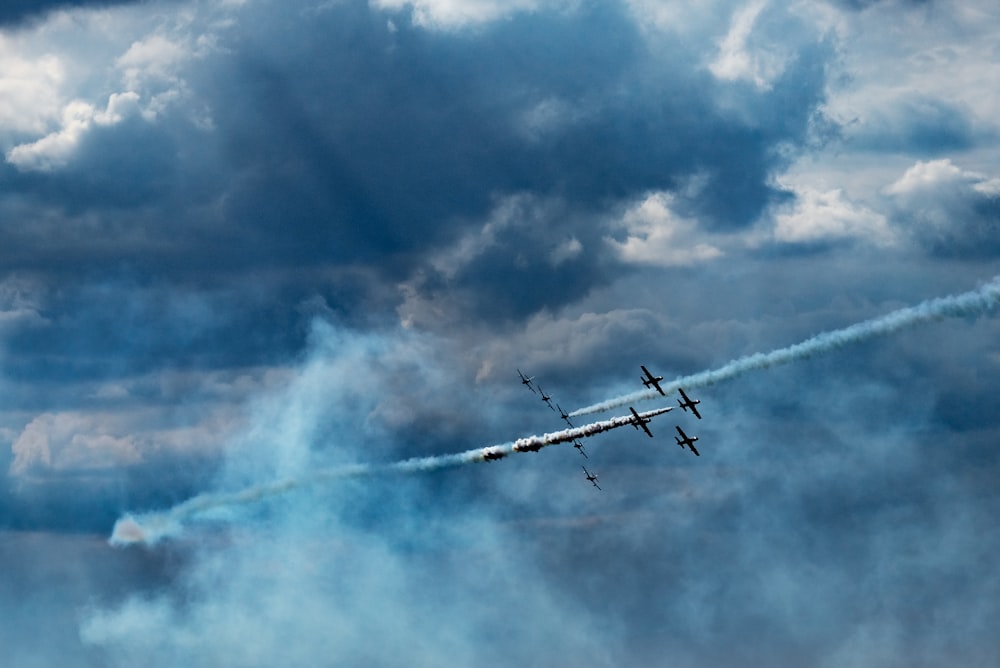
546,398
684,439
640,422
526,380
564,415
687,403
592,477
579,446
652,381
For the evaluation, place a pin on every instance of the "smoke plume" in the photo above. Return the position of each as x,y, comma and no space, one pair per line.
970,303
150,528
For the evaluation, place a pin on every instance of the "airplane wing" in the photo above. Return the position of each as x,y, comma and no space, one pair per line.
694,409
694,450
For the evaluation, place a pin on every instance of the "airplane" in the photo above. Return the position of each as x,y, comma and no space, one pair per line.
591,477
652,381
564,415
684,439
546,398
687,403
640,422
579,446
526,380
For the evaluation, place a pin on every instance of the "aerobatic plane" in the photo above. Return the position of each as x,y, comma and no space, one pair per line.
592,477
684,439
579,446
526,380
640,422
652,381
687,403
546,398
564,415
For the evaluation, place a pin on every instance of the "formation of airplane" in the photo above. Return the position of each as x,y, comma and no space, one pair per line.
652,381
638,420
687,403
526,381
684,439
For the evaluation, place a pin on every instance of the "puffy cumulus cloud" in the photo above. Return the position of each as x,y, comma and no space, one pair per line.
117,433
829,216
150,68
947,210
654,234
55,150
71,441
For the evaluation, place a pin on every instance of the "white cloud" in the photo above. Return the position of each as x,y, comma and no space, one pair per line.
936,178
451,14
154,57
657,236
30,97
820,215
71,442
54,73
567,250
739,60
57,148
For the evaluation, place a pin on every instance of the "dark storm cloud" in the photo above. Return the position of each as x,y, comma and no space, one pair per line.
842,511
345,156
22,11
313,162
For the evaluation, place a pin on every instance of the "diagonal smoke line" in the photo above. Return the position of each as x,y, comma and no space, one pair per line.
970,303
152,527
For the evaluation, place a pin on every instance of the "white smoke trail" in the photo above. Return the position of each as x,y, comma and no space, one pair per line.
150,528
955,306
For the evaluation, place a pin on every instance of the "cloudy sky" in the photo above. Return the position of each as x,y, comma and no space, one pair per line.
242,241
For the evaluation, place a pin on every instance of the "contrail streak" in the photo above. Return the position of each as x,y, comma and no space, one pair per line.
955,306
150,528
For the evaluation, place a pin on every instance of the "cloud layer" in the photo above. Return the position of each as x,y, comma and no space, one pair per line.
245,241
